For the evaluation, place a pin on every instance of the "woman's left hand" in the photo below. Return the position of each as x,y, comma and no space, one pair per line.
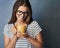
25,35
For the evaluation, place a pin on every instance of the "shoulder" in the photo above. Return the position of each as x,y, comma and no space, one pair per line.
35,28
8,25
7,30
34,23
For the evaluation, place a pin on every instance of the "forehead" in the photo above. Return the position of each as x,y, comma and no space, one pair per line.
23,8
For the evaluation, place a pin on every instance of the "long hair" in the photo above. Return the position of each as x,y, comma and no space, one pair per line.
17,4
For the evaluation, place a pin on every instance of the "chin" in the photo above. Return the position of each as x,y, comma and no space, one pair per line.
21,20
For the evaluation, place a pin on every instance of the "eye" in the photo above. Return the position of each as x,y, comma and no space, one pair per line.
25,12
19,11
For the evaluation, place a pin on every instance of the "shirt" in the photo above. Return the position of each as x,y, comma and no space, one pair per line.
33,29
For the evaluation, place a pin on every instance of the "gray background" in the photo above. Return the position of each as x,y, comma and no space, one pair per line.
45,12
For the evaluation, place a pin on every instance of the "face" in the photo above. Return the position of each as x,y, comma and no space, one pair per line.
22,13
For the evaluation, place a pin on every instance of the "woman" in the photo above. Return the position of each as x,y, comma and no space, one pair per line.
22,15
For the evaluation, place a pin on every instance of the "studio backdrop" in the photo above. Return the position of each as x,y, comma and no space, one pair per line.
45,12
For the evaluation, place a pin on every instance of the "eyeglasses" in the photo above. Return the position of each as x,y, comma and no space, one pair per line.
21,12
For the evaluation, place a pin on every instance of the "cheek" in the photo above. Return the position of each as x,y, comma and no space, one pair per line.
17,15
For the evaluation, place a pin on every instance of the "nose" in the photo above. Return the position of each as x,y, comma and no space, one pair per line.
22,15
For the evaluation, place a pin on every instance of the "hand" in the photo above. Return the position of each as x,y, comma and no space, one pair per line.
16,32
19,34
25,35
22,35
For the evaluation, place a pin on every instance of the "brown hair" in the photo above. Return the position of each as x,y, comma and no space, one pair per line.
15,8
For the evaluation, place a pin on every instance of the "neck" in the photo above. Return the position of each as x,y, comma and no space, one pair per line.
20,22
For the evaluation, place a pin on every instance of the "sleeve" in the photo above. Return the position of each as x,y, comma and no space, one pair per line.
36,28
7,32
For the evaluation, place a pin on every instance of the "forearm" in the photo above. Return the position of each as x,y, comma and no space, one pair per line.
13,42
35,42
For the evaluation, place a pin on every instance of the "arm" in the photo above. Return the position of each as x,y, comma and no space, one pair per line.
37,42
9,43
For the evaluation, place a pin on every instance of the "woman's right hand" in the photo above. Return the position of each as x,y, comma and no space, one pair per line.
19,34
15,32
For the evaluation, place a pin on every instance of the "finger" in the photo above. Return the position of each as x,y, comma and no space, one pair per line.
18,35
13,30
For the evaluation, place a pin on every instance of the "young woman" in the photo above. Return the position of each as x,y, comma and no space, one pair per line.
22,15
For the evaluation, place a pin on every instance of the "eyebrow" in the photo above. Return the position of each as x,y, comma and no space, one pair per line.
22,11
